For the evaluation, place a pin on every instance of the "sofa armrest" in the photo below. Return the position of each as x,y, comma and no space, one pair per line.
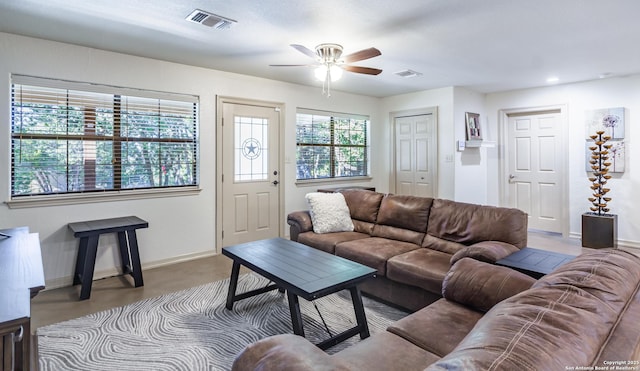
285,352
486,251
299,222
482,285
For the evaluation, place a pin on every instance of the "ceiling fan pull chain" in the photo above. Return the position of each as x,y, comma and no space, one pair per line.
323,86
328,80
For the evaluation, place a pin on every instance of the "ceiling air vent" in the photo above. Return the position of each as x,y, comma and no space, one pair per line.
407,73
210,19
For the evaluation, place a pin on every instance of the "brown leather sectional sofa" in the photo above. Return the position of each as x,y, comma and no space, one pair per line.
584,315
412,241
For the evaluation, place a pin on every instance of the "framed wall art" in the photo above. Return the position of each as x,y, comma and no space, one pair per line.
474,132
609,120
610,123
616,156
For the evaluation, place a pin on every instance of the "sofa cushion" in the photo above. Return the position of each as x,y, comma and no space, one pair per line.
373,252
424,268
611,276
439,244
364,206
437,328
385,351
480,285
329,212
625,333
403,218
327,242
467,223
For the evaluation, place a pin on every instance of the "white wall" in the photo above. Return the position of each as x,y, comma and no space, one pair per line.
179,227
443,99
578,98
470,164
461,175
473,176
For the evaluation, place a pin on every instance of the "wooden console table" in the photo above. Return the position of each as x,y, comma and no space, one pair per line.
338,189
21,278
89,233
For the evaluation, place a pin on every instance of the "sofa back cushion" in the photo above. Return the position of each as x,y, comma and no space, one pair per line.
403,218
453,225
612,278
363,206
566,319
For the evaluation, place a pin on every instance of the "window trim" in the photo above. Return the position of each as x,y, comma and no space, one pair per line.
63,199
367,146
115,194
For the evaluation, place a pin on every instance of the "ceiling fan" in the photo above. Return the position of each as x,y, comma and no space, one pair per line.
330,63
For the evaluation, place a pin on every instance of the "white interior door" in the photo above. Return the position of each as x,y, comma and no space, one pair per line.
250,174
415,155
535,168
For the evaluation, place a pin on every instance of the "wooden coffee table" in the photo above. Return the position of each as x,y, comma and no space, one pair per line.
303,272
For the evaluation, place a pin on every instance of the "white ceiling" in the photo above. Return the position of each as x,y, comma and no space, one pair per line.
487,46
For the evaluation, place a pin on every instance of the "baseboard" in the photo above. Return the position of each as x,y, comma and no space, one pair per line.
622,244
65,281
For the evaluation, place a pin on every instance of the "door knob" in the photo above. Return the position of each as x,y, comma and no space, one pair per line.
275,182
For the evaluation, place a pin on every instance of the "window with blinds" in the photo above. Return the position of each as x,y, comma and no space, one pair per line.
69,137
331,145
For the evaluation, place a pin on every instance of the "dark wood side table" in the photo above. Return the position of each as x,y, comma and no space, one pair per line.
21,278
535,262
337,189
89,233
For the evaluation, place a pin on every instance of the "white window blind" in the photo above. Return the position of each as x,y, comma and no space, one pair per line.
331,145
71,137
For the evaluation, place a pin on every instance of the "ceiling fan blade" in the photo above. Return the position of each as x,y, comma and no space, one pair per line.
304,50
365,70
362,55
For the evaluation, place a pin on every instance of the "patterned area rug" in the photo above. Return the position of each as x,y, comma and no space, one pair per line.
192,329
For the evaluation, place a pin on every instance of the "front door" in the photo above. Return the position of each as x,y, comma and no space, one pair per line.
250,173
535,168
415,155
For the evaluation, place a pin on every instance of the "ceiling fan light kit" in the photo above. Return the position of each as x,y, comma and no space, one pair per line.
328,72
329,64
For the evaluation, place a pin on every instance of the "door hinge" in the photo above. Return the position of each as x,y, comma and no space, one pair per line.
223,235
222,178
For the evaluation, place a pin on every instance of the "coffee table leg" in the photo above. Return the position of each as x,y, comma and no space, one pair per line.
358,307
233,284
296,317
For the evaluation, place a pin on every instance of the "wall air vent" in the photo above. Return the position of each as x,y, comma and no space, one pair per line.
407,73
210,19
